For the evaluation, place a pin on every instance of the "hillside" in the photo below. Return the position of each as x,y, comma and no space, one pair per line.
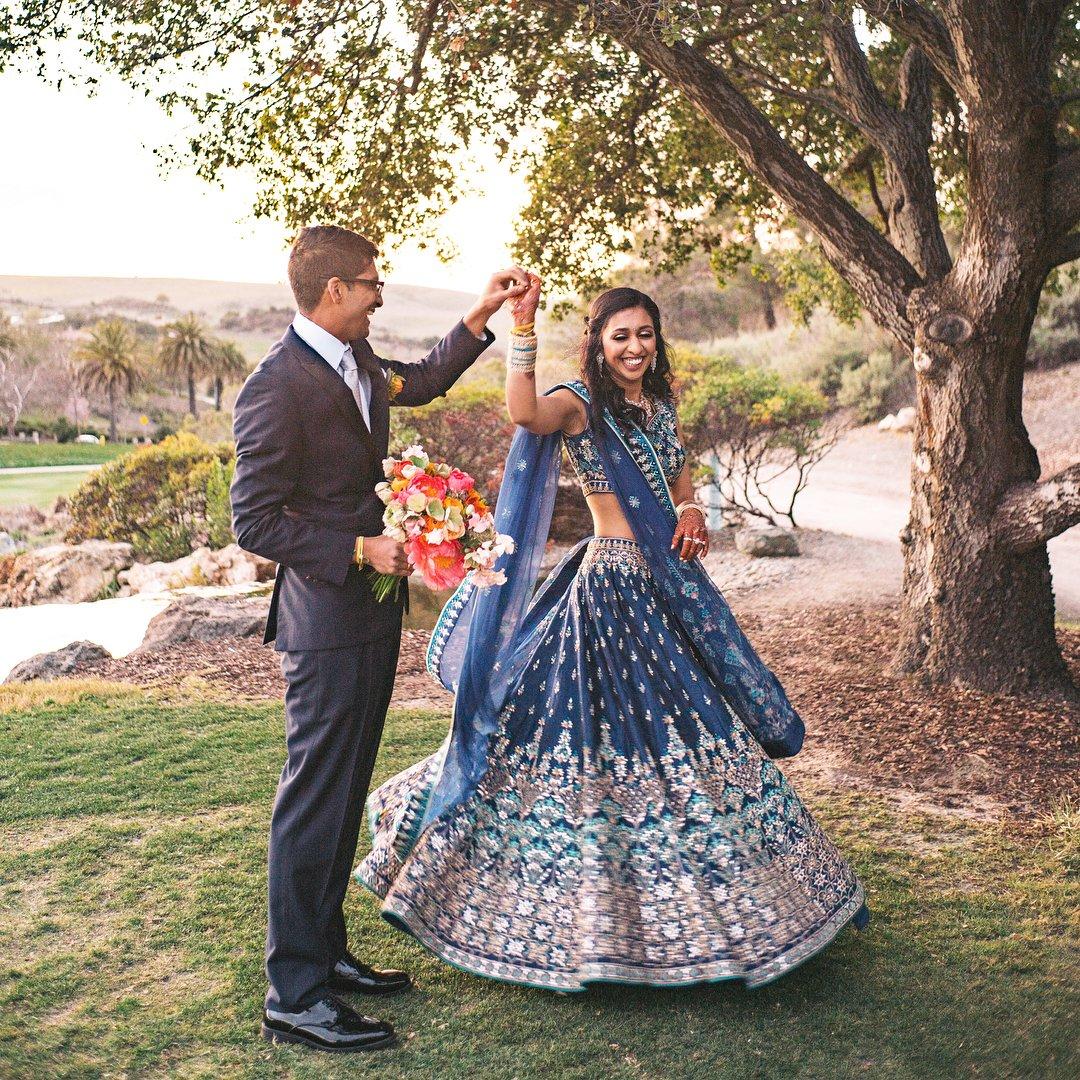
411,312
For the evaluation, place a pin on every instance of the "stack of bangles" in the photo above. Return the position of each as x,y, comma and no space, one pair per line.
521,355
681,509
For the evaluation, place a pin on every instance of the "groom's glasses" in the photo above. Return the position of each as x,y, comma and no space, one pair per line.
373,282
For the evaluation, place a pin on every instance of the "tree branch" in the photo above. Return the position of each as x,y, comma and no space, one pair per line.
902,135
1064,195
1031,514
1067,250
920,26
880,275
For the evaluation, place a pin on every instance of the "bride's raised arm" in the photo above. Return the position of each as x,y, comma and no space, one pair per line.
540,415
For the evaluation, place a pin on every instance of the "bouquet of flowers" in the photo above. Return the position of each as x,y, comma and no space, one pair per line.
446,525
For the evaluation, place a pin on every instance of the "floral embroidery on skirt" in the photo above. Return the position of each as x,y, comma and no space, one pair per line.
627,829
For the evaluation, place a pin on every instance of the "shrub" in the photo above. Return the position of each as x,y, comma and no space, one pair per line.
469,428
165,499
756,436
877,386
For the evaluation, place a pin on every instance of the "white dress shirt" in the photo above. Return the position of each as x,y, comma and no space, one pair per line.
332,350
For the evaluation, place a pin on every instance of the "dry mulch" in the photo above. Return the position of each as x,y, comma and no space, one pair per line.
960,749
941,748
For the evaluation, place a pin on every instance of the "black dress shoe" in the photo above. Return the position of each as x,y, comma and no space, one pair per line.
329,1024
349,975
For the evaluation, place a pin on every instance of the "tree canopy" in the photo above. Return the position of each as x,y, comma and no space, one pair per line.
360,112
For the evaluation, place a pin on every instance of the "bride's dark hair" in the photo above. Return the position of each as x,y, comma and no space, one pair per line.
604,391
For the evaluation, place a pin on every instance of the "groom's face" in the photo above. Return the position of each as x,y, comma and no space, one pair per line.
359,301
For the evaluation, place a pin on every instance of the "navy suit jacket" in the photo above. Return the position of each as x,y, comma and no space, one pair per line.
304,487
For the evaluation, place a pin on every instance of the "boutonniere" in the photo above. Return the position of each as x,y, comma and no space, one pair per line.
394,383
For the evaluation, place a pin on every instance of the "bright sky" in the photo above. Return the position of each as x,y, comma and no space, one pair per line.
82,195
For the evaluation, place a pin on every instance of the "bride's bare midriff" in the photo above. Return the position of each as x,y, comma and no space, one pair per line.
608,518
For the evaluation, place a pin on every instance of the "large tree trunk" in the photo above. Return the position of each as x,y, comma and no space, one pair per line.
193,407
218,388
978,598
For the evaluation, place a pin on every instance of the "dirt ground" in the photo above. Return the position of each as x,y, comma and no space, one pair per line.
948,750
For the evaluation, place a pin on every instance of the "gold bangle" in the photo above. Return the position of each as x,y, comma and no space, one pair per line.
358,551
524,330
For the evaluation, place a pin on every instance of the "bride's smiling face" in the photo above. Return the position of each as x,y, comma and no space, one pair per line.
629,341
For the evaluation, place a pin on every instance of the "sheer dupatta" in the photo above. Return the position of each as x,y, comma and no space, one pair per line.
483,638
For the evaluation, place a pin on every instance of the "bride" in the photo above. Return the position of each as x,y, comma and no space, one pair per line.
605,807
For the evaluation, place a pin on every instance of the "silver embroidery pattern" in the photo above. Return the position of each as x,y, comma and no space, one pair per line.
628,828
662,433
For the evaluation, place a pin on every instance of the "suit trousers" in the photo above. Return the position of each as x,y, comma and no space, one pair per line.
335,707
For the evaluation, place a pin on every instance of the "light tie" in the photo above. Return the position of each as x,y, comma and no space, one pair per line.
351,374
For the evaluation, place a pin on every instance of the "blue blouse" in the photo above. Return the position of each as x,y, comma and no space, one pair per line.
661,432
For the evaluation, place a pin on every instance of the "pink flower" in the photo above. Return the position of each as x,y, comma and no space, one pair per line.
442,566
460,481
434,487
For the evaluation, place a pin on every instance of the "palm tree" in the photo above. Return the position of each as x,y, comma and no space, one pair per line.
228,362
187,346
109,361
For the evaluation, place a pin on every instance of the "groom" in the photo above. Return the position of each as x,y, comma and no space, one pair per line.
311,426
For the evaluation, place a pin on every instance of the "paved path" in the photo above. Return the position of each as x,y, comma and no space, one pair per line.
861,489
27,469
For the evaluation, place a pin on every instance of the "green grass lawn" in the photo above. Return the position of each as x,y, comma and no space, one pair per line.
132,875
39,489
19,455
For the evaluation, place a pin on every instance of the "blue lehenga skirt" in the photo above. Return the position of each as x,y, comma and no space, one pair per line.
627,829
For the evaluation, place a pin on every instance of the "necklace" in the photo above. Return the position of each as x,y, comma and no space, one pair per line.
648,407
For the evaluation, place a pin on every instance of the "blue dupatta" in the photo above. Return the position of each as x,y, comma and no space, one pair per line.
483,638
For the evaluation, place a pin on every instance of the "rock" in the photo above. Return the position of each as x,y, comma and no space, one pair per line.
7,543
55,665
766,543
202,618
64,573
905,419
229,566
887,423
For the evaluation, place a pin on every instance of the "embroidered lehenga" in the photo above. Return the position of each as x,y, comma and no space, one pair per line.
605,807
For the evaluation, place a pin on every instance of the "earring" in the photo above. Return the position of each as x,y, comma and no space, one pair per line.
599,359
652,366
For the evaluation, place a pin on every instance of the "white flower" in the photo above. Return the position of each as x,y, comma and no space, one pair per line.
435,536
417,502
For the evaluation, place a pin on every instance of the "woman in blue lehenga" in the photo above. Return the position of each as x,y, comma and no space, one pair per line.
605,807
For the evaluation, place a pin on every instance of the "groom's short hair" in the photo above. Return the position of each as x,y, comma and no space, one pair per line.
321,252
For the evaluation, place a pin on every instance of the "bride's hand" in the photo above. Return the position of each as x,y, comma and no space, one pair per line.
523,307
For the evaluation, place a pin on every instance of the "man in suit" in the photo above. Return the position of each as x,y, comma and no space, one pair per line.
311,426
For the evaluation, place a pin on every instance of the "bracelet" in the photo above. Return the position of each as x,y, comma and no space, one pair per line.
524,330
522,353
689,504
358,551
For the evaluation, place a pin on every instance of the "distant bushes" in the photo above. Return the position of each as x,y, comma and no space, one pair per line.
166,499
755,435
469,428
877,385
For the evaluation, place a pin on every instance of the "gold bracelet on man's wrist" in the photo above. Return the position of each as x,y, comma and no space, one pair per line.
358,551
